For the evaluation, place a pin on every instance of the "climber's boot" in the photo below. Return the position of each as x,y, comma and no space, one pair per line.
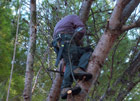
80,74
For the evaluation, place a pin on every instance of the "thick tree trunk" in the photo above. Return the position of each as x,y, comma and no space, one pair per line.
103,47
31,52
112,32
99,55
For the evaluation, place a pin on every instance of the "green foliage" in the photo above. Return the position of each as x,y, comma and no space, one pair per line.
48,14
7,32
5,45
134,94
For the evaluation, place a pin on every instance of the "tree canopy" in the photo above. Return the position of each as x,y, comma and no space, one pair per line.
115,76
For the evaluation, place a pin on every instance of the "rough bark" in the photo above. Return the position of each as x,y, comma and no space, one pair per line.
133,25
55,89
31,53
103,47
84,10
99,55
113,30
129,9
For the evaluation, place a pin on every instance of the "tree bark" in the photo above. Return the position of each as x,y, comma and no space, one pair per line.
98,56
103,47
111,33
129,9
31,53
85,9
55,90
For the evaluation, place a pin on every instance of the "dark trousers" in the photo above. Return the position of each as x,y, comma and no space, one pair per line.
74,57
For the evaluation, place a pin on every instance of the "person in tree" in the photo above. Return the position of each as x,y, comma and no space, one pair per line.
67,42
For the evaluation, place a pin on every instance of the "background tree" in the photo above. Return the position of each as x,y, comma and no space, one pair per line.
31,53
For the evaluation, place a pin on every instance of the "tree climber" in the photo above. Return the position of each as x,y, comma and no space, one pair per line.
67,43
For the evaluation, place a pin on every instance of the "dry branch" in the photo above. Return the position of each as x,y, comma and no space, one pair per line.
55,89
133,25
127,81
14,54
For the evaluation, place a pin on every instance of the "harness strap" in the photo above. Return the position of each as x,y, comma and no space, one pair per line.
59,43
60,53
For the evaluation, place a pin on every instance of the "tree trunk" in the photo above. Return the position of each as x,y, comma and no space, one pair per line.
55,90
31,53
111,33
113,30
98,56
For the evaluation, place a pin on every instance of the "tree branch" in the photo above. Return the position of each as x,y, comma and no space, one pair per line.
127,81
14,54
85,9
42,66
135,49
117,13
102,49
55,89
129,9
133,25
130,78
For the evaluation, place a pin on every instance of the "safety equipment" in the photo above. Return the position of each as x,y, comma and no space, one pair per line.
80,74
59,43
